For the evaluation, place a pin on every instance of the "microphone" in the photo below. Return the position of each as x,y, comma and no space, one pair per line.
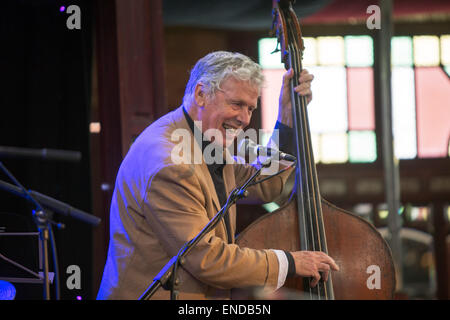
248,147
53,204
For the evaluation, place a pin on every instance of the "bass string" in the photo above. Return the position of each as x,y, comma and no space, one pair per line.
302,126
302,161
308,187
311,170
317,235
304,206
318,217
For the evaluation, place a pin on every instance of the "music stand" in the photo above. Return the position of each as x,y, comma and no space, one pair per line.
43,223
37,277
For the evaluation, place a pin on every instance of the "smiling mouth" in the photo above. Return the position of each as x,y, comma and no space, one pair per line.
230,130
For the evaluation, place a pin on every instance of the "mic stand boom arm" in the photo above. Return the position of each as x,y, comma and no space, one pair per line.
166,278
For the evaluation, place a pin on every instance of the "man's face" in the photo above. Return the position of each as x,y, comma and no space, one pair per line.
229,111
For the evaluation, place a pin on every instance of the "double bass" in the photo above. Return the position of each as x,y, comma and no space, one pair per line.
309,222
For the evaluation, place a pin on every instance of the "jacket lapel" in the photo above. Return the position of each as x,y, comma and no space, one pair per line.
181,122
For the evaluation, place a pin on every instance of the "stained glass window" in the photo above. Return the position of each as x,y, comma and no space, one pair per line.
401,51
423,87
341,115
362,146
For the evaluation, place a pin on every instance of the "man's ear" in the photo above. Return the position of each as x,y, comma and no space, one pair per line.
200,94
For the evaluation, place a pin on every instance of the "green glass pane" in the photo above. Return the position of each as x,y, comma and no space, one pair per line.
359,51
445,49
271,206
401,51
362,146
383,213
447,70
267,59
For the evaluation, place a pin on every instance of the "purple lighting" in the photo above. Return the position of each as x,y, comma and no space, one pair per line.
78,297
62,9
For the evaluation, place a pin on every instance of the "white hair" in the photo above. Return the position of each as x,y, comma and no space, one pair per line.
215,67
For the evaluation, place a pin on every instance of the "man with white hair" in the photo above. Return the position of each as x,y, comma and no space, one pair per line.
160,203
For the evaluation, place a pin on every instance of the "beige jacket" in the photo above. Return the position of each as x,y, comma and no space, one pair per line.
157,206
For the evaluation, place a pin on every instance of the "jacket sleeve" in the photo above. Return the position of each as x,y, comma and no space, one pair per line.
175,209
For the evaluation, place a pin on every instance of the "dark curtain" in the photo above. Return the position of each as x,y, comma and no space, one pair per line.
45,103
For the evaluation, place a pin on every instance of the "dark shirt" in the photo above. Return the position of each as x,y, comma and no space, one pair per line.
216,172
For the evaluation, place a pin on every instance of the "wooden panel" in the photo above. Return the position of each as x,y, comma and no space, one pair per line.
128,94
139,64
184,46
105,159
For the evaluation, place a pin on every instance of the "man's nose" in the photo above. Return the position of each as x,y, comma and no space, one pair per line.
244,117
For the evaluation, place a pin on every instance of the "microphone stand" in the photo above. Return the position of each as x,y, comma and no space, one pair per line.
167,278
43,154
52,204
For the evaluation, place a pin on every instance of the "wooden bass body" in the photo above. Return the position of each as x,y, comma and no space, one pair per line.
363,256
